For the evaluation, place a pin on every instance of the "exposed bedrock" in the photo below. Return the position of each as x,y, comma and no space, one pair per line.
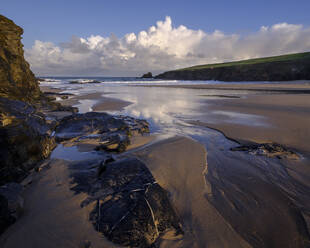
26,138
16,79
107,132
131,209
268,149
260,200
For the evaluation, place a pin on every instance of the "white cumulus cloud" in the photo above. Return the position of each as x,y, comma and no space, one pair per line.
160,48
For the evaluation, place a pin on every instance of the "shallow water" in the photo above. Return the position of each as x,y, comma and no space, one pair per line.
168,110
258,185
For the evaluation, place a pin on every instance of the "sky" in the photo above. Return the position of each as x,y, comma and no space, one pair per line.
128,38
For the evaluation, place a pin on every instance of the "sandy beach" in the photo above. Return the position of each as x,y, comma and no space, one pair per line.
285,108
223,198
183,176
102,103
52,215
187,133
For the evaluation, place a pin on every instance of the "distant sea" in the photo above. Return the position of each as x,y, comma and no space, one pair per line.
51,80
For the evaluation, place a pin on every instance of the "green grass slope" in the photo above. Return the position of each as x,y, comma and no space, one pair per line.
278,68
287,57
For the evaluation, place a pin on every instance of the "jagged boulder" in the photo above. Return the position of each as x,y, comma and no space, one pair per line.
16,79
131,208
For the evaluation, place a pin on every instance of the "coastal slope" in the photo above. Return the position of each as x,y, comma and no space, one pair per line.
279,68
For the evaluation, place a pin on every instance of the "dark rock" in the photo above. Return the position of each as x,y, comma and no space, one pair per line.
25,139
147,75
103,165
268,149
41,79
114,143
110,133
53,95
85,82
25,134
79,125
131,208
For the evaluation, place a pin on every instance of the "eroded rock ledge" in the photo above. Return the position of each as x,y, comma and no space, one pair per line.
104,131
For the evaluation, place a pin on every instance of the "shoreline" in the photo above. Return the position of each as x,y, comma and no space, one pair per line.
278,87
193,184
278,109
101,102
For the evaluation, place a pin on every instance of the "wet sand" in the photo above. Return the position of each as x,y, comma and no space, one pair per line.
179,166
234,198
101,104
110,104
285,119
52,215
282,111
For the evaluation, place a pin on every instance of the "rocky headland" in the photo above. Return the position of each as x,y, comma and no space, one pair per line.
280,68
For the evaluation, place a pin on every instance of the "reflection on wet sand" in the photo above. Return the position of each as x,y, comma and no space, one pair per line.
229,198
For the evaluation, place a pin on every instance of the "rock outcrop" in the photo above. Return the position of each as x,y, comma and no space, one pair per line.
107,132
147,75
17,81
26,138
269,150
288,69
131,208
25,133
86,81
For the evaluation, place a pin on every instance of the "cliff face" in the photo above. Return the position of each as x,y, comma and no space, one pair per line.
17,82
25,135
298,69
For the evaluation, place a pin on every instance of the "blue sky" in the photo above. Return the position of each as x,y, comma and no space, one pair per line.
57,20
127,38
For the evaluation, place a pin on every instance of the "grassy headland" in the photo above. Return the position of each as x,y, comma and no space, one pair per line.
277,68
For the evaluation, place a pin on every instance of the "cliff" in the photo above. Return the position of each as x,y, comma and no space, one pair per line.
278,68
26,136
17,82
